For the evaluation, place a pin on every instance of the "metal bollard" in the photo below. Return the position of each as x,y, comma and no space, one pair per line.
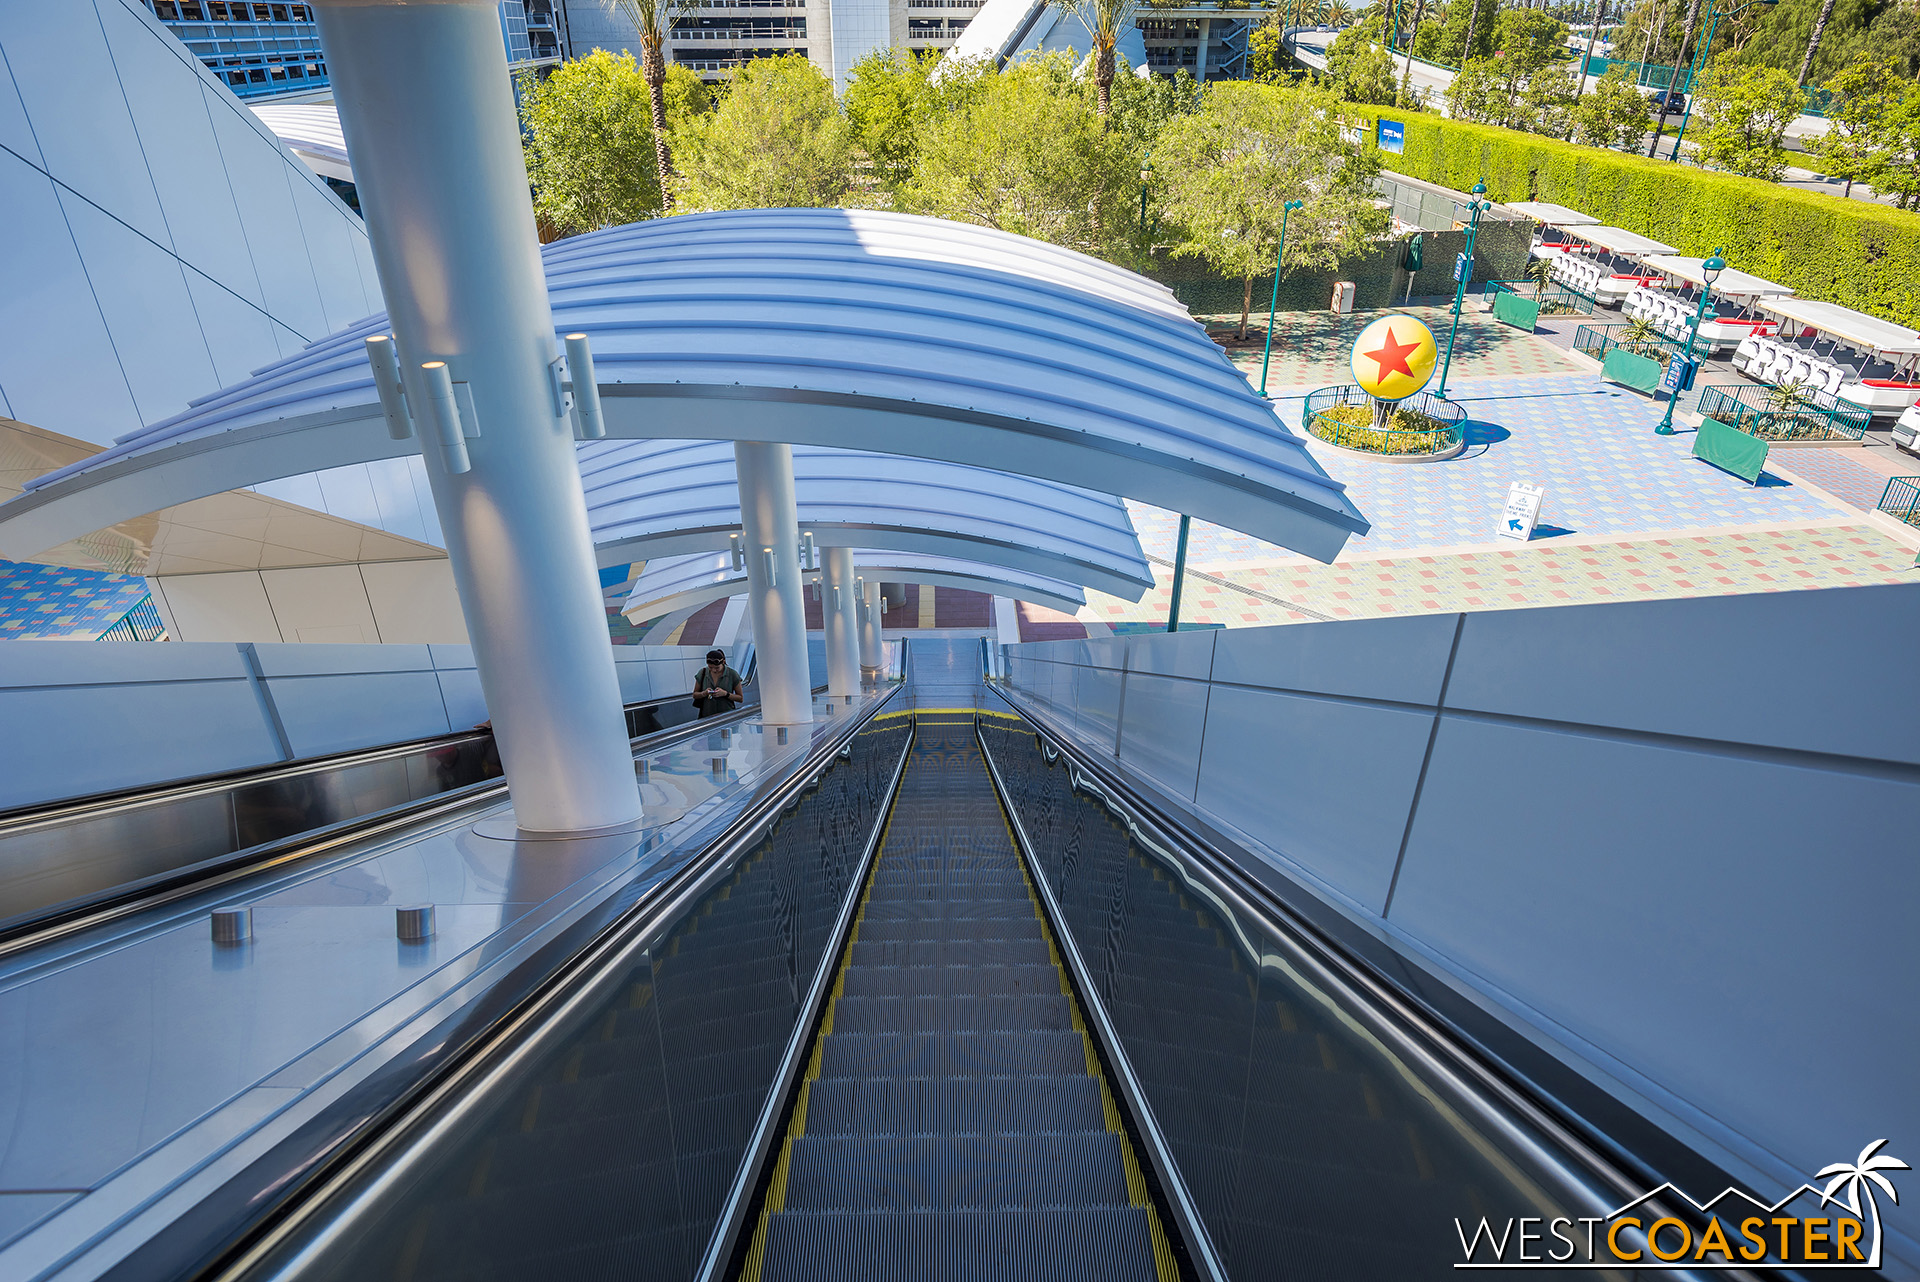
232,925
413,922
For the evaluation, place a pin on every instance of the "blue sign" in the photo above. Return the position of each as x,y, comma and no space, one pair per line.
1392,136
1678,376
1462,266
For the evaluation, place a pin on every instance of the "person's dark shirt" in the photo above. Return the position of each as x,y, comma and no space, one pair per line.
716,693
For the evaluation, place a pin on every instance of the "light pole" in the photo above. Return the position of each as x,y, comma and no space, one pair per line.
1701,53
1463,268
1273,304
1179,573
1709,272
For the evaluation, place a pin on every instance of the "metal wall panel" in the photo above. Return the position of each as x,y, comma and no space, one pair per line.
1325,782
1166,720
1096,702
237,331
274,239
1402,660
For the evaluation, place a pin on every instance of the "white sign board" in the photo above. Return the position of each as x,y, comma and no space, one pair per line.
1523,509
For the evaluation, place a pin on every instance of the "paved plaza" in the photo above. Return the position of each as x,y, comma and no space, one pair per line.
1628,515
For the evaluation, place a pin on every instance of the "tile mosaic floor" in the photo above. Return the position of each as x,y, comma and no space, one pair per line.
51,602
1849,475
1311,349
1835,555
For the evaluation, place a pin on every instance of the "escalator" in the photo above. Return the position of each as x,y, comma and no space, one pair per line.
965,1010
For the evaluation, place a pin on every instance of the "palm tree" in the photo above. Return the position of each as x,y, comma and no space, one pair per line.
1813,41
653,19
1855,1177
1406,78
1104,21
1339,13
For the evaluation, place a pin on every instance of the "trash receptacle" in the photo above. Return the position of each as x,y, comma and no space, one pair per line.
1342,296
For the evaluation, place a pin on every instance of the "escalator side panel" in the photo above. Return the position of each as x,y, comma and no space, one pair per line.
1308,1150
610,1154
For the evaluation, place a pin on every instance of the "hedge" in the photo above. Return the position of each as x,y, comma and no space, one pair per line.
1849,252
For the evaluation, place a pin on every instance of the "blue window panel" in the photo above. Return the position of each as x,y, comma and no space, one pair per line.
143,296
52,338
16,134
257,170
182,156
70,88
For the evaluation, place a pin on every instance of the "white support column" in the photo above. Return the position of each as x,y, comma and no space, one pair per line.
770,540
871,651
842,622
428,113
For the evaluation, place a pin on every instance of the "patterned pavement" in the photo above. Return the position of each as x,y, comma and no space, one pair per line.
51,602
1310,349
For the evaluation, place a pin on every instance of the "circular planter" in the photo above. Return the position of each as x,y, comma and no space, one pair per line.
1330,417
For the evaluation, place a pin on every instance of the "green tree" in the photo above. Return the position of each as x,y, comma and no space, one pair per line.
777,140
1482,92
1267,58
1231,166
589,144
1863,99
1468,33
1613,113
1530,39
1811,38
889,98
1358,67
652,20
1743,115
1546,101
1143,106
1896,166
1028,153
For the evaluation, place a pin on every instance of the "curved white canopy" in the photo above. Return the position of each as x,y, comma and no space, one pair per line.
677,583
849,328
649,499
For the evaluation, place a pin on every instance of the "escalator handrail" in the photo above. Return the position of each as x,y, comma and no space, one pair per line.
1562,1139
380,1127
91,805
88,912
1192,1229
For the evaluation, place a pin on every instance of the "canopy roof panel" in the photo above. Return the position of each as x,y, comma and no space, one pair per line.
1619,240
676,583
847,328
1552,215
1734,284
1856,329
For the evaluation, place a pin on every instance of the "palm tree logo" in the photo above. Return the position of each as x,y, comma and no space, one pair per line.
1861,1175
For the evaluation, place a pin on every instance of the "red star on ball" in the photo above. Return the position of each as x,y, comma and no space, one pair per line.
1391,357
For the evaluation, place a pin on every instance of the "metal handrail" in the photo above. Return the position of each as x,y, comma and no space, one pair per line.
1784,414
1901,499
1451,416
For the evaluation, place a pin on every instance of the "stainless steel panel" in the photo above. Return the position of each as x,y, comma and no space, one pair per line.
48,864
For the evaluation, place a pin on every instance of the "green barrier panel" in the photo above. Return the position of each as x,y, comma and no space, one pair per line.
1730,448
1630,369
1521,313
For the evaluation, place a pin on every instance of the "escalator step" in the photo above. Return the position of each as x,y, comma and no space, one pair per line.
1108,1244
1001,1054
938,927
954,1106
903,1014
996,1172
940,952
954,981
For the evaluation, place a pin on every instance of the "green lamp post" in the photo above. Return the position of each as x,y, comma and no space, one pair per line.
1702,52
1479,204
1273,305
1146,176
1709,272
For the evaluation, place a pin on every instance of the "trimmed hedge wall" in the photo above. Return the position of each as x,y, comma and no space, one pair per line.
1849,252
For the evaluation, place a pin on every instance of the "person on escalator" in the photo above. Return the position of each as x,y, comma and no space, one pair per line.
718,688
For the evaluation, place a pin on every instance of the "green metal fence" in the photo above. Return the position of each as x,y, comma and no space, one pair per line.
1786,413
1902,499
1322,418
1597,340
1554,300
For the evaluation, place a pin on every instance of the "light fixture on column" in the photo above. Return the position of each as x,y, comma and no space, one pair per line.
443,414
767,568
386,381
588,424
739,557
809,556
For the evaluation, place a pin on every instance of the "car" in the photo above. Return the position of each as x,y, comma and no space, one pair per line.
1673,102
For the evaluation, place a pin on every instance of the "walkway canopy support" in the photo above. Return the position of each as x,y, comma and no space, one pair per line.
427,108
839,618
770,542
870,648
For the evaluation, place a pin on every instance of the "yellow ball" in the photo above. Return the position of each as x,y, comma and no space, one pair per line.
1394,357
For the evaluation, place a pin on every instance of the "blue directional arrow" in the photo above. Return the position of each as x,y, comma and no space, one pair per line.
1512,524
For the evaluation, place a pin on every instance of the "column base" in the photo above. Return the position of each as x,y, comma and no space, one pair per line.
502,827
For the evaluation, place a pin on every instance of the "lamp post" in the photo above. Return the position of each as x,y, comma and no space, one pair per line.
1462,270
1709,272
1702,51
1179,573
1273,305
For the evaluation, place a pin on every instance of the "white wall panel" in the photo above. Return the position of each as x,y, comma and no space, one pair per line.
143,297
321,603
414,601
1325,782
57,362
1166,720
336,271
256,171
238,334
636,682
71,92
1096,701
324,714
219,607
1403,660
16,134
